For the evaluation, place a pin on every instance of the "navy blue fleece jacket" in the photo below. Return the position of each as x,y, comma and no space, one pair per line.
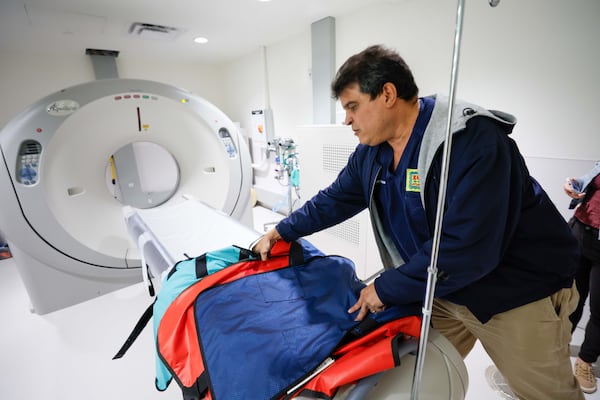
503,242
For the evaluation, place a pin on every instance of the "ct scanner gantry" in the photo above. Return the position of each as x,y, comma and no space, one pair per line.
73,159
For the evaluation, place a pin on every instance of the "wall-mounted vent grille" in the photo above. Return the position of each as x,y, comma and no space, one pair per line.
336,156
153,31
100,52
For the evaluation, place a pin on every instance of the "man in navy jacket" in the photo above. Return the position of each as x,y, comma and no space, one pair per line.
506,258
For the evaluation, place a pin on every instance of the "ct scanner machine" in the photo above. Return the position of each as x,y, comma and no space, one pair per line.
71,160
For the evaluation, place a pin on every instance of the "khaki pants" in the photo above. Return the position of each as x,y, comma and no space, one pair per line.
528,344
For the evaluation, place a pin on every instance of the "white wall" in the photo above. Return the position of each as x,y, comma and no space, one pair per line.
25,77
289,87
276,77
537,59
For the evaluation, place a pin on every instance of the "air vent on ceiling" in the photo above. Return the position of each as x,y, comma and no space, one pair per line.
153,31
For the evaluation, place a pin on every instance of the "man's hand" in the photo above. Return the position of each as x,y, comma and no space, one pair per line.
368,302
264,244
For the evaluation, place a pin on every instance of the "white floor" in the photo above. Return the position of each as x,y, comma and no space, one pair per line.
66,355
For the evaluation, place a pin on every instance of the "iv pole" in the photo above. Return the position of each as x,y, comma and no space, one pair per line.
432,270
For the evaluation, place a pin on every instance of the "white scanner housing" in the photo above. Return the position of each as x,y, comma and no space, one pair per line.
63,221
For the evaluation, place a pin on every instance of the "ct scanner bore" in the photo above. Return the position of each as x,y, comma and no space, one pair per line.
64,226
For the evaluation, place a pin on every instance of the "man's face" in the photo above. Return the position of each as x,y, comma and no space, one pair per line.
365,115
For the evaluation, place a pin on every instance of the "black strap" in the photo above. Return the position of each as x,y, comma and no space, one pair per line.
201,267
296,254
198,390
359,330
139,327
246,254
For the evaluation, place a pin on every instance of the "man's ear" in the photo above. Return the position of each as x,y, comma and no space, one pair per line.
389,94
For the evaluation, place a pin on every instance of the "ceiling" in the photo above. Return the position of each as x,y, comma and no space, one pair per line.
233,27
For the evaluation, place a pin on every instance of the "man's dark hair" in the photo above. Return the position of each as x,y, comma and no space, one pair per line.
371,69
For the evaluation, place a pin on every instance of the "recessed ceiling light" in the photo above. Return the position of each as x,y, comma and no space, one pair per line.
201,40
264,1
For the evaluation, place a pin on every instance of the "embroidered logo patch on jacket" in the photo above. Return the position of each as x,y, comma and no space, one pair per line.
413,183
